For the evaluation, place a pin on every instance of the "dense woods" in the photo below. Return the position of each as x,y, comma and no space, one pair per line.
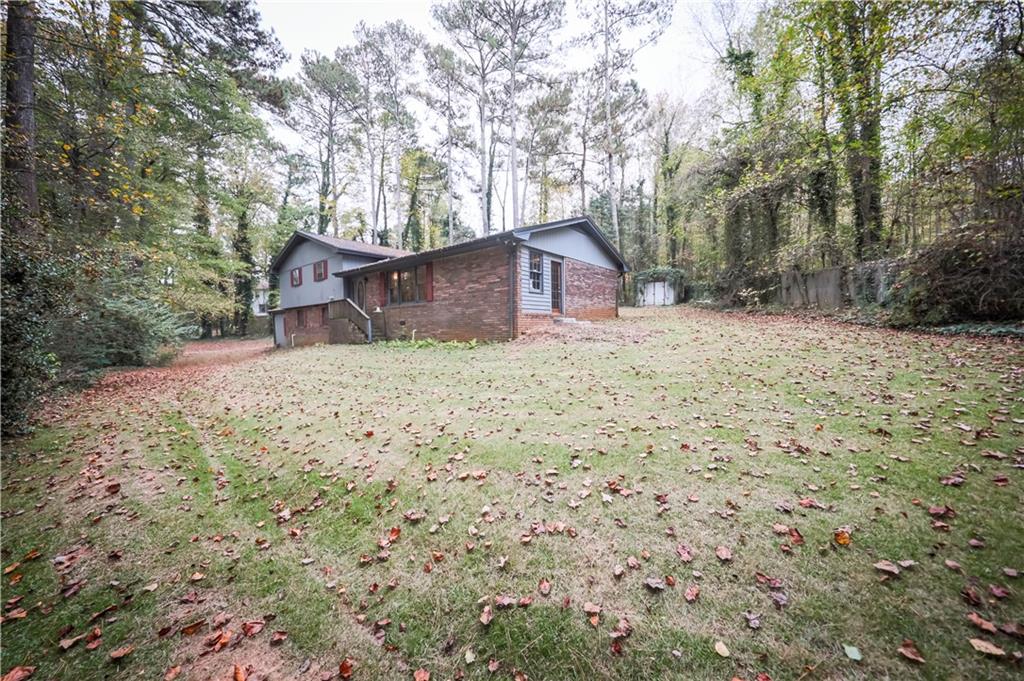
144,189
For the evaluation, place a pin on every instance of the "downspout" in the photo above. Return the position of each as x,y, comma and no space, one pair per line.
622,286
512,331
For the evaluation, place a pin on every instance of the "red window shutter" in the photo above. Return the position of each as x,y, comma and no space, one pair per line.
430,281
382,292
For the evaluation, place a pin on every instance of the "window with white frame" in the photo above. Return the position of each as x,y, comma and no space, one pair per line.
536,272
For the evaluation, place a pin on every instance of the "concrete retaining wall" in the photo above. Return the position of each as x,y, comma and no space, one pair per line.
868,283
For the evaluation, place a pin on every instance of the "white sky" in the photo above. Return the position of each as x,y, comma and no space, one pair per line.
679,64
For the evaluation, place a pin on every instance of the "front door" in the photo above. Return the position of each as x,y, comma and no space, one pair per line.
361,294
556,287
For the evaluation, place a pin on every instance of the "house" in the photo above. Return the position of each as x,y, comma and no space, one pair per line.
491,288
303,268
261,298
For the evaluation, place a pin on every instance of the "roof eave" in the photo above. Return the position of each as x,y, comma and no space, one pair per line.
427,256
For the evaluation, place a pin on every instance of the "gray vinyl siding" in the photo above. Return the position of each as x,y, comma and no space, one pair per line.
533,302
310,292
352,261
571,243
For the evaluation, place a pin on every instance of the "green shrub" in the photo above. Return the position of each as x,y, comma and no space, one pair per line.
119,330
35,286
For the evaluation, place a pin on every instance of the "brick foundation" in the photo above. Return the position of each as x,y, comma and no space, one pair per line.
315,329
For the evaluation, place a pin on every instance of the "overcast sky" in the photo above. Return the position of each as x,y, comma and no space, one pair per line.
679,64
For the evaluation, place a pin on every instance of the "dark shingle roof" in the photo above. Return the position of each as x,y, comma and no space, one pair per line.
340,245
508,236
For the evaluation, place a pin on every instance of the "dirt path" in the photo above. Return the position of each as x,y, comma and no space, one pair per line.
199,362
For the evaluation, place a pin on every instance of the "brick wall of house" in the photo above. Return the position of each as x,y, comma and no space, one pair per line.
590,291
315,329
470,301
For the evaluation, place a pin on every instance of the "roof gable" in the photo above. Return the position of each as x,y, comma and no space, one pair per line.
585,224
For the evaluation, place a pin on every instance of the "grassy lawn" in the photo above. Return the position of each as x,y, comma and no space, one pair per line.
626,500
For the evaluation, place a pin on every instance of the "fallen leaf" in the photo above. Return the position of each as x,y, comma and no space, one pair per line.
887,566
692,592
842,536
252,628
753,620
19,674
346,668
486,616
172,673
421,675
67,643
908,650
984,647
982,623
721,649
123,651
852,652
544,587
655,584
190,629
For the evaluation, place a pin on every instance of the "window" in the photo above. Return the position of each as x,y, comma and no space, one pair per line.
393,298
407,285
320,270
536,272
263,308
300,319
414,285
421,283
296,276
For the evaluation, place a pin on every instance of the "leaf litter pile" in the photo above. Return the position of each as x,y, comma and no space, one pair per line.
678,494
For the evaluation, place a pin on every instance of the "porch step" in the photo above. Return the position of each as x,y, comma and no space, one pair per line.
565,320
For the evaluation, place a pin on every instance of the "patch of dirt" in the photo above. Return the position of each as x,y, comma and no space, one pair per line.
221,352
214,652
619,332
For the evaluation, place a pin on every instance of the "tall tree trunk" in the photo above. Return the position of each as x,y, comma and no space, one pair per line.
485,177
449,165
490,179
583,175
20,189
610,151
201,214
373,184
243,280
384,238
526,177
513,143
323,216
397,169
333,163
